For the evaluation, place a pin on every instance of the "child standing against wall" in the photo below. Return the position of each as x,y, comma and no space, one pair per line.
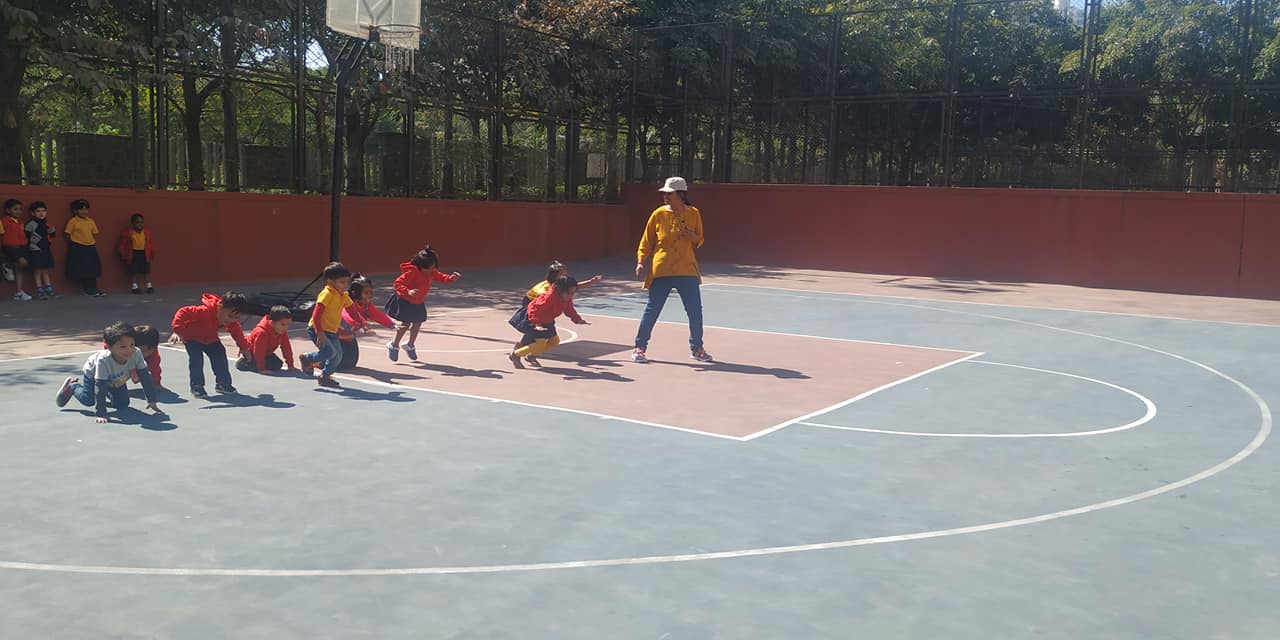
40,236
83,264
137,248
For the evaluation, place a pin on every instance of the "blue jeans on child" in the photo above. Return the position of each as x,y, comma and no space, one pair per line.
690,295
86,392
196,351
330,354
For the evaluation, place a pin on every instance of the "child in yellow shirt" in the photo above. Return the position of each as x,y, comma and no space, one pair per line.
326,320
83,264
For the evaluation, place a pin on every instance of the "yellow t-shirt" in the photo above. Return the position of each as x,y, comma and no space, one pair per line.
537,290
334,303
139,240
82,230
672,252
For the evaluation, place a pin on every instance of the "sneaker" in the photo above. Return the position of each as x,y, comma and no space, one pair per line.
199,392
65,392
411,351
701,355
393,352
224,388
533,362
306,364
53,295
22,296
638,356
515,360
151,289
41,295
326,381
135,291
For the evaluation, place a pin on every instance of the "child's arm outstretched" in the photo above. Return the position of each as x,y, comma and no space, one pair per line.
286,348
148,387
439,276
375,314
573,313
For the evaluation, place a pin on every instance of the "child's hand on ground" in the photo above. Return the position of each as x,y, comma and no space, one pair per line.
175,339
581,321
100,419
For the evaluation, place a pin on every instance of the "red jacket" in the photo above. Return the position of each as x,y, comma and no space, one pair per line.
124,246
15,232
199,323
544,309
153,365
264,341
411,278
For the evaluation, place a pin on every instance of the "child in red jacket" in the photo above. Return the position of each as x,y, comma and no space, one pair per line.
272,333
538,321
137,249
147,339
408,303
197,326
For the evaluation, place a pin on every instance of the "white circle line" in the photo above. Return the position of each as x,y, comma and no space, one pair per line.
1150,414
1264,431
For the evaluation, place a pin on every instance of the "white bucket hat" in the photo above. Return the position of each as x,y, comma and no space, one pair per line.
674,184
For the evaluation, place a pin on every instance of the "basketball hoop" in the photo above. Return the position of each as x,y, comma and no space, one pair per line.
398,41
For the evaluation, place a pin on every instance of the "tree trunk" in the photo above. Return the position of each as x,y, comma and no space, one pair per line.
12,70
610,161
321,111
549,188
193,108
357,132
230,126
446,168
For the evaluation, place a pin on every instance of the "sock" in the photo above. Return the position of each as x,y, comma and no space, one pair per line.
133,285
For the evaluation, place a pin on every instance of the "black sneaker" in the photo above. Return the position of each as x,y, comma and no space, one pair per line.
326,381
199,392
224,388
515,360
533,362
65,393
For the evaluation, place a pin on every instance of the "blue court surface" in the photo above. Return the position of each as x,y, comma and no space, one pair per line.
1087,475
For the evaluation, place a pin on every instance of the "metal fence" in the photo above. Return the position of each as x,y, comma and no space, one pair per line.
987,93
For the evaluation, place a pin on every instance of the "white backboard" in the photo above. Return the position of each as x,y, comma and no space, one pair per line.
357,18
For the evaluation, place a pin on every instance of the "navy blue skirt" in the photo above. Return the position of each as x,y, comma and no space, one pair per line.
405,311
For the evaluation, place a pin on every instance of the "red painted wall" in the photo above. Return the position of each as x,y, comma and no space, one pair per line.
203,237
1200,243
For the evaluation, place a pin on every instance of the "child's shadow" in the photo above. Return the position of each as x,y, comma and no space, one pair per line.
582,374
137,418
731,367
265,400
361,394
450,371
163,397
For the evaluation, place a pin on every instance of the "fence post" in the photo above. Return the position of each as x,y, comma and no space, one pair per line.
726,139
496,122
1244,67
833,110
299,99
1088,73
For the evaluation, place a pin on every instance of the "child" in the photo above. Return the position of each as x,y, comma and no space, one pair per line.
106,373
137,249
14,243
325,321
537,322
356,319
40,249
555,271
147,338
271,333
83,264
197,326
408,303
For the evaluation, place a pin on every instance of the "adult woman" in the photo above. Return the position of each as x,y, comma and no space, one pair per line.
672,234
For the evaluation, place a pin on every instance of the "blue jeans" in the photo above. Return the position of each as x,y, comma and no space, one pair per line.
690,295
86,392
196,351
330,354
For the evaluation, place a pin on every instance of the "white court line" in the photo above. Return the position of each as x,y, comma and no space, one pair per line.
801,419
51,355
988,304
1150,413
1264,431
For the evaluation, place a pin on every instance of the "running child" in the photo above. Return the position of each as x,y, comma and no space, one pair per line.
197,327
538,321
357,319
137,249
408,303
40,236
105,375
271,334
326,319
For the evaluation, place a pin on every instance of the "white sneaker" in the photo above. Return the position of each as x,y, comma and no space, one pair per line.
22,295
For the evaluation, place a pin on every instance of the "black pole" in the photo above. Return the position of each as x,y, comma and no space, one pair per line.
347,61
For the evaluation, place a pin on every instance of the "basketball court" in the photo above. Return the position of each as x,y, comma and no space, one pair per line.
852,464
